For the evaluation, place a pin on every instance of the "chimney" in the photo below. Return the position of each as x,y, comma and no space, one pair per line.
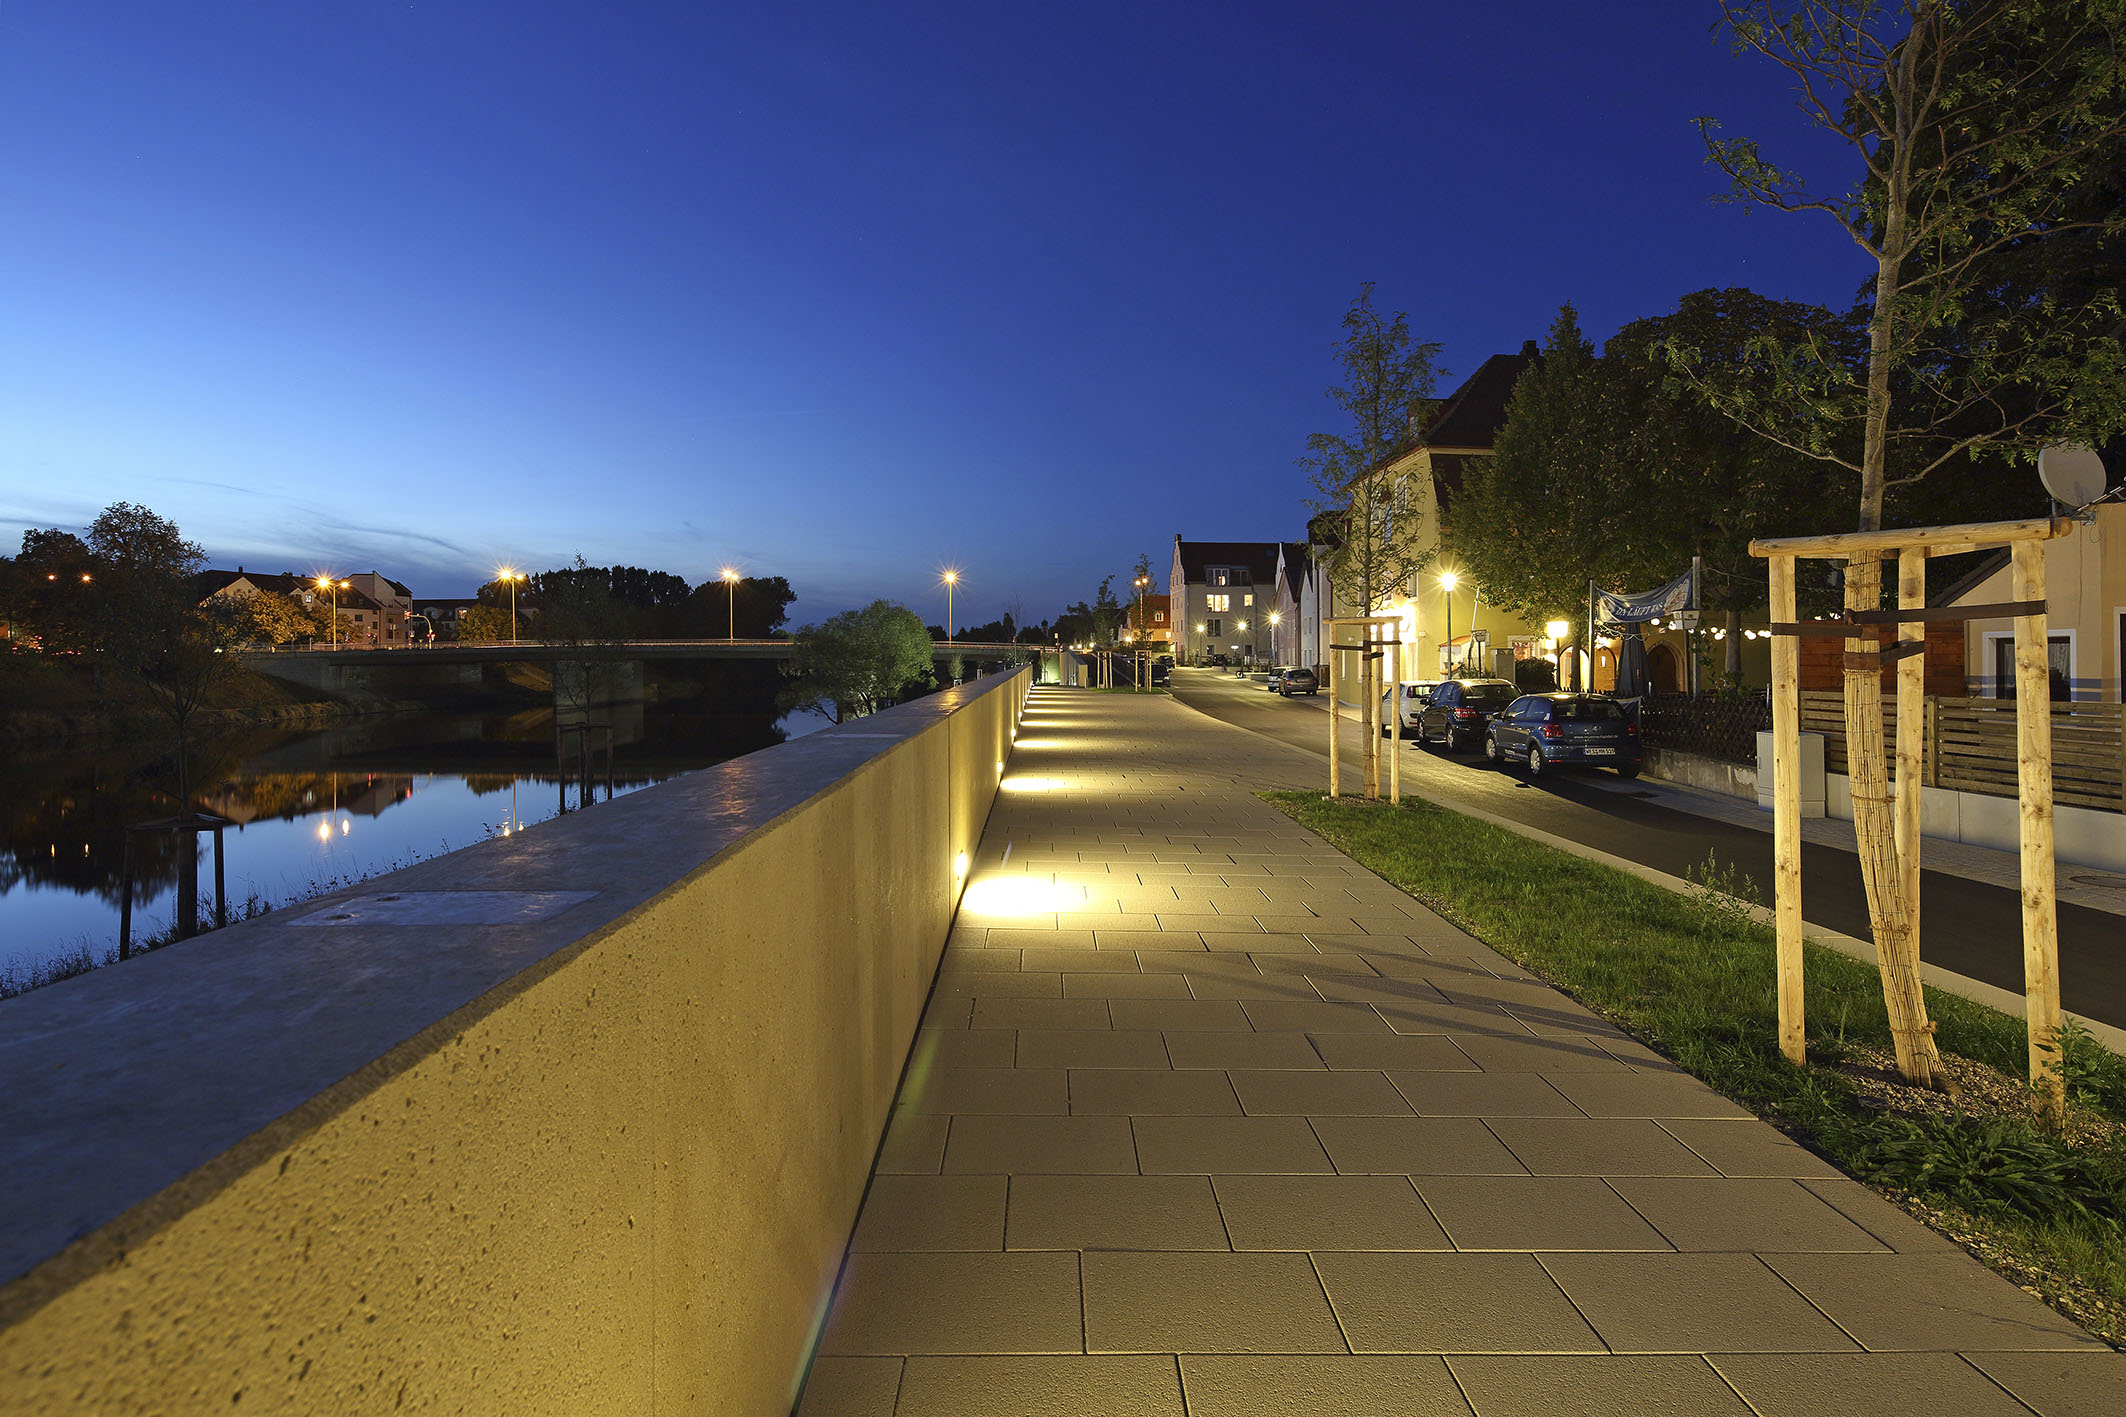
1530,349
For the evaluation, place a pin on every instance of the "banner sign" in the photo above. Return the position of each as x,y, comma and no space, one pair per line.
1679,594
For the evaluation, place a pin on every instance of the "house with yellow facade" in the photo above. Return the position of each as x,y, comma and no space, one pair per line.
1447,625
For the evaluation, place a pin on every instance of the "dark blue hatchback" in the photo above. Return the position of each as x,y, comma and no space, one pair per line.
1542,731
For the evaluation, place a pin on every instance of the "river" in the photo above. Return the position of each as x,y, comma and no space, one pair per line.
313,810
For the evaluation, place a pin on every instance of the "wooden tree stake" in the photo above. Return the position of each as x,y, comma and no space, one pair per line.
2033,777
1786,813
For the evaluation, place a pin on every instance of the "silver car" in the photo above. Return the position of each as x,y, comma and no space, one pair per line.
1416,694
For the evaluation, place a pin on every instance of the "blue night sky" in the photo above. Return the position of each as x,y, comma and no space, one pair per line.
840,292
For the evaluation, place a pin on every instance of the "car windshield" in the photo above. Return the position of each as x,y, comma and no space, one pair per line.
1588,710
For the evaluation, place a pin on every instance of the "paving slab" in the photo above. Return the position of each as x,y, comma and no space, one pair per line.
1228,1125
1299,1385
1620,1386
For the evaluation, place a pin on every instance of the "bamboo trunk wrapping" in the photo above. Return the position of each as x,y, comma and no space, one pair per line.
1875,837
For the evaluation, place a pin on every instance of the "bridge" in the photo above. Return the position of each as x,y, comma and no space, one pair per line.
585,671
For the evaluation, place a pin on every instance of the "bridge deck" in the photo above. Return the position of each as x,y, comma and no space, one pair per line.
1206,1118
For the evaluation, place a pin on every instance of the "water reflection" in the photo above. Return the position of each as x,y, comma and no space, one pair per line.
314,809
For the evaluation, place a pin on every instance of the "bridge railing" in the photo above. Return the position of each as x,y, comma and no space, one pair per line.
574,1120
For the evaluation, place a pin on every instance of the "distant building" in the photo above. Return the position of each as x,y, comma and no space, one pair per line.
1220,594
375,608
445,614
1153,615
1443,627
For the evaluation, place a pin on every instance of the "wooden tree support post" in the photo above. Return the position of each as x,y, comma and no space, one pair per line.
1911,719
2033,778
1336,727
1786,814
1395,717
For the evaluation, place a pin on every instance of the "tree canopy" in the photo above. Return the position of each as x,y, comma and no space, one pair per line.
1388,385
858,662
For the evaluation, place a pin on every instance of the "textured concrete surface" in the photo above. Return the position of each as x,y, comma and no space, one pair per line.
575,1121
1205,1118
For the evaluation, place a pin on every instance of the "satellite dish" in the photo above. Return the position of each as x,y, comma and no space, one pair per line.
2072,473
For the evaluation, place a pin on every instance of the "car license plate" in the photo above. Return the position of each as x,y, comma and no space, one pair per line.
1601,752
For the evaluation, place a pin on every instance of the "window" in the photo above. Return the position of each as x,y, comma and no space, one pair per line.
1247,599
1159,617
2059,657
1214,628
1220,576
1218,602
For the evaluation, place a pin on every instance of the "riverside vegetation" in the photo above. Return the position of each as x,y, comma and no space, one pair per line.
1691,976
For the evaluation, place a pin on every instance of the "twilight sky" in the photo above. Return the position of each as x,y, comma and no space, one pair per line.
842,292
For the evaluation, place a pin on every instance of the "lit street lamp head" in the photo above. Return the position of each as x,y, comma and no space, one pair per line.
1448,580
730,575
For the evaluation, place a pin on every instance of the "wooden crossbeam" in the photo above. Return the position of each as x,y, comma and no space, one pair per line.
1843,626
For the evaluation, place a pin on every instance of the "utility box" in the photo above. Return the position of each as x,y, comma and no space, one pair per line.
1812,798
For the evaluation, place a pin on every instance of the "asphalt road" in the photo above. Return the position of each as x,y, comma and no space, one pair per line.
1967,926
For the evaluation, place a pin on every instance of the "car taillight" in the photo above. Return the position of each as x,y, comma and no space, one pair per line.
1551,730
1465,713
1631,730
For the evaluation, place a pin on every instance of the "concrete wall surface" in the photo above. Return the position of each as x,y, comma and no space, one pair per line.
576,1121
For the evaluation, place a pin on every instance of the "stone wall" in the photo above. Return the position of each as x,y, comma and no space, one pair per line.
574,1122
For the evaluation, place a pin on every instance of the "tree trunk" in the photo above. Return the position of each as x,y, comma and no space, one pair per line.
1874,816
1733,665
1881,865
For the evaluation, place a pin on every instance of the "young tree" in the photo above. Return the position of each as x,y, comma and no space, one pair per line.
1388,382
1976,125
858,662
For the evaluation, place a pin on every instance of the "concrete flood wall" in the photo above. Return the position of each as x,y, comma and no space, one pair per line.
575,1122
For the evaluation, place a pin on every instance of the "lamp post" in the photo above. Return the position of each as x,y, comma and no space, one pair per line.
512,576
1558,630
951,579
1447,582
327,583
730,580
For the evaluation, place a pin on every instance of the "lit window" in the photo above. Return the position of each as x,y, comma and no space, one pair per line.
1160,616
1218,602
1247,599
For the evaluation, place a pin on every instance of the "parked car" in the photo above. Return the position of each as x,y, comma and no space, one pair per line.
1456,713
1543,731
1294,679
1416,694
1161,671
1217,660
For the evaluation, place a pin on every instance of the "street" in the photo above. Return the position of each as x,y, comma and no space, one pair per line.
1967,926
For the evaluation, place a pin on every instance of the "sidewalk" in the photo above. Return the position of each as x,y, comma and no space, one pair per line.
1206,1118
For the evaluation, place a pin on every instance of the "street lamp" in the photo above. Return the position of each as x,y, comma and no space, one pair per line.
1447,582
730,578
1558,630
951,579
512,576
326,583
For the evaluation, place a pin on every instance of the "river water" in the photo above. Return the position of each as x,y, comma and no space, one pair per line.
313,809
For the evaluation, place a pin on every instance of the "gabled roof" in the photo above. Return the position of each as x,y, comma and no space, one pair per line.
211,583
1259,557
1296,561
1469,420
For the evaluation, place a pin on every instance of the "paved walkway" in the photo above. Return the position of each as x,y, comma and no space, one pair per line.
1206,1118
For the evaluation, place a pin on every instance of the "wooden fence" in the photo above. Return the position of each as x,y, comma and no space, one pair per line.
1970,745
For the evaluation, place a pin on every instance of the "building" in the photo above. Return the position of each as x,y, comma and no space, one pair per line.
2085,614
1220,594
1446,621
1295,622
445,614
381,609
1153,616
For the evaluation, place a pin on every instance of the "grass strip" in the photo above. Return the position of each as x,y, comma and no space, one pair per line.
1691,976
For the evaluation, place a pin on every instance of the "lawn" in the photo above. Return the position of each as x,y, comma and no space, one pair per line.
1691,975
